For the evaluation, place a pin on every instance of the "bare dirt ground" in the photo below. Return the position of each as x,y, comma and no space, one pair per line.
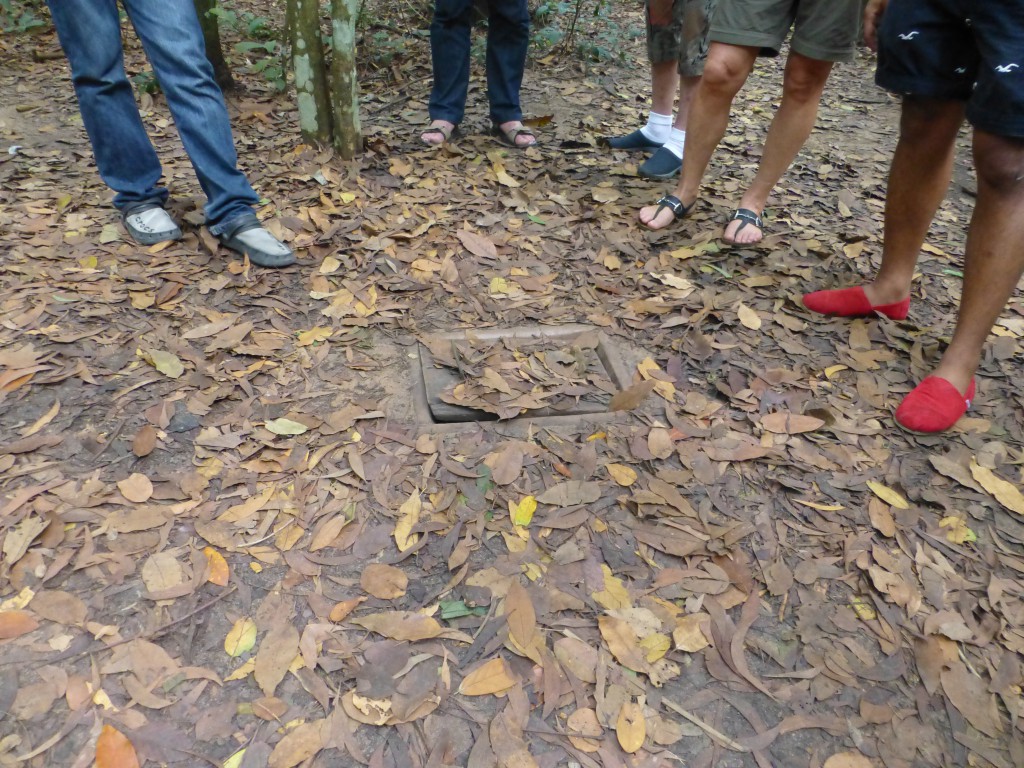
225,525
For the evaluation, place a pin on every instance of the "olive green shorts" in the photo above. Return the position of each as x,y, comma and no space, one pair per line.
677,30
826,30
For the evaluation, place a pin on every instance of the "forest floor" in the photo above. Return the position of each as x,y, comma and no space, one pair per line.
234,535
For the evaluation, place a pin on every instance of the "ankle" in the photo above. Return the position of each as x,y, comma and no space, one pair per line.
882,293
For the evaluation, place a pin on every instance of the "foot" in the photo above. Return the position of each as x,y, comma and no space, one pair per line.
437,133
637,140
933,406
151,225
744,228
515,134
853,302
664,212
248,237
663,164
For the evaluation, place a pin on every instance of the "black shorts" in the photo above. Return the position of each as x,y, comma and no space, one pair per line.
959,50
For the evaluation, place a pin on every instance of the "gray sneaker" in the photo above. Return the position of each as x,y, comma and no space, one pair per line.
247,236
149,226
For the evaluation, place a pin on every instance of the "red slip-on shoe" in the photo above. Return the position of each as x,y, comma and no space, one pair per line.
853,302
933,406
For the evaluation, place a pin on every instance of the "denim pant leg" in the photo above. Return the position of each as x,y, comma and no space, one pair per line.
90,33
173,40
508,38
449,51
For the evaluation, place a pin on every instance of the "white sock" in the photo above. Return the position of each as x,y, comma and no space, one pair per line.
658,127
676,141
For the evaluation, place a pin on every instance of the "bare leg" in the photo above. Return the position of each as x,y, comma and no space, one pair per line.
918,179
802,85
994,257
725,71
664,75
687,89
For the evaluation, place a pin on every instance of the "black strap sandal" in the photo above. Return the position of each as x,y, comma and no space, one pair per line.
509,137
674,204
747,217
446,134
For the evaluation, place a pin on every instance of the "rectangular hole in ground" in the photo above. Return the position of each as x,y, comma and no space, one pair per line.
524,373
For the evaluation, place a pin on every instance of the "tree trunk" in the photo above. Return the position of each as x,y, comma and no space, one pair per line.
348,135
214,50
310,72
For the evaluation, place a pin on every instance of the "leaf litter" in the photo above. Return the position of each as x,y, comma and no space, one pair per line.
221,547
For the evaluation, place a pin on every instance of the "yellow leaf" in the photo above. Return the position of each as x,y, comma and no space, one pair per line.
748,317
832,370
346,197
1005,493
689,633
88,262
522,513
822,507
166,362
863,610
329,264
243,671
219,571
655,645
666,389
285,427
630,728
614,594
958,532
235,761
493,677
313,335
410,515
622,474
241,638
888,495
499,285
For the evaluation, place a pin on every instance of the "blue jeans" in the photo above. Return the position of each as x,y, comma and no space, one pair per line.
90,33
508,37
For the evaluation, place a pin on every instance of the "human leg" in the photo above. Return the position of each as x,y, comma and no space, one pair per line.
173,41
802,85
449,50
90,33
727,68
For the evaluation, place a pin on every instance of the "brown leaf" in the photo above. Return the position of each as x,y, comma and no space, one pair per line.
476,244
145,441
1005,493
341,610
161,572
276,653
136,488
520,615
969,693
571,493
113,750
506,465
384,581
785,423
400,625
16,623
298,745
60,607
630,728
584,729
881,517
848,760
631,397
492,677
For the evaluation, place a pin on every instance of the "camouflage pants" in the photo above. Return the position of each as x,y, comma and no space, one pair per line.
677,30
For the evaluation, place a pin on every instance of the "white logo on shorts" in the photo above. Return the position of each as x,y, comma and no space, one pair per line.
1004,68
909,35
960,70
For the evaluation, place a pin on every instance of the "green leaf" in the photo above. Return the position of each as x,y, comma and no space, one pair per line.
166,362
286,427
537,219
